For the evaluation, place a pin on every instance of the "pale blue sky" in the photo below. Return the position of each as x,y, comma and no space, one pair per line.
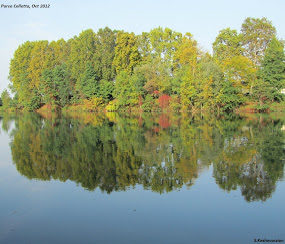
67,18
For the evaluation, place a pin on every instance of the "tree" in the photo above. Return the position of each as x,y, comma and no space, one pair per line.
106,89
272,70
227,45
237,68
211,79
262,91
240,72
82,50
187,53
127,89
127,55
88,86
62,78
156,76
228,98
256,35
48,87
37,64
5,98
105,41
189,92
18,74
55,86
163,43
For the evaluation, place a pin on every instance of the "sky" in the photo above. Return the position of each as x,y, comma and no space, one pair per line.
67,18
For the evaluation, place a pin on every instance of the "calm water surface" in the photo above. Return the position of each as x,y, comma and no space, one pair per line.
110,178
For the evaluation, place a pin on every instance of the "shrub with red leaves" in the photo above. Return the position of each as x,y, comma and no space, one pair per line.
164,101
164,121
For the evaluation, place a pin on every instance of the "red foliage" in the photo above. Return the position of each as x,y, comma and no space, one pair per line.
156,129
164,101
155,94
164,121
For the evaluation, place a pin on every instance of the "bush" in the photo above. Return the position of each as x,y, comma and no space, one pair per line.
112,106
92,104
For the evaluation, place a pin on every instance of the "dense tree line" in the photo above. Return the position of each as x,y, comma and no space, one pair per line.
154,70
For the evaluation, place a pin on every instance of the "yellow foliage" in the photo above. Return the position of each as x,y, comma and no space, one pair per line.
92,104
112,106
240,71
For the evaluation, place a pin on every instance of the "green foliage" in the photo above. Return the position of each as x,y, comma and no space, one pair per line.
256,35
188,91
49,87
6,99
272,70
262,107
61,76
128,68
88,85
127,89
105,52
55,86
148,103
227,45
127,55
82,50
263,91
154,76
163,43
161,153
228,98
35,101
106,89
18,73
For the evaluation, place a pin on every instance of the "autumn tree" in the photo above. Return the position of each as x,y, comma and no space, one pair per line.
19,75
256,35
227,45
105,42
57,53
127,55
82,50
237,68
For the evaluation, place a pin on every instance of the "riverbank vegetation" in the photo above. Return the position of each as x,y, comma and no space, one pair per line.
157,70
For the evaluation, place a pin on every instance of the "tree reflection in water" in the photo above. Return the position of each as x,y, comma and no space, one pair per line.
160,152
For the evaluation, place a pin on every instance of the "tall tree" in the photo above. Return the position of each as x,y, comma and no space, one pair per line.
5,99
164,43
57,53
82,50
105,52
62,78
127,55
88,85
18,74
256,35
38,63
272,69
227,45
